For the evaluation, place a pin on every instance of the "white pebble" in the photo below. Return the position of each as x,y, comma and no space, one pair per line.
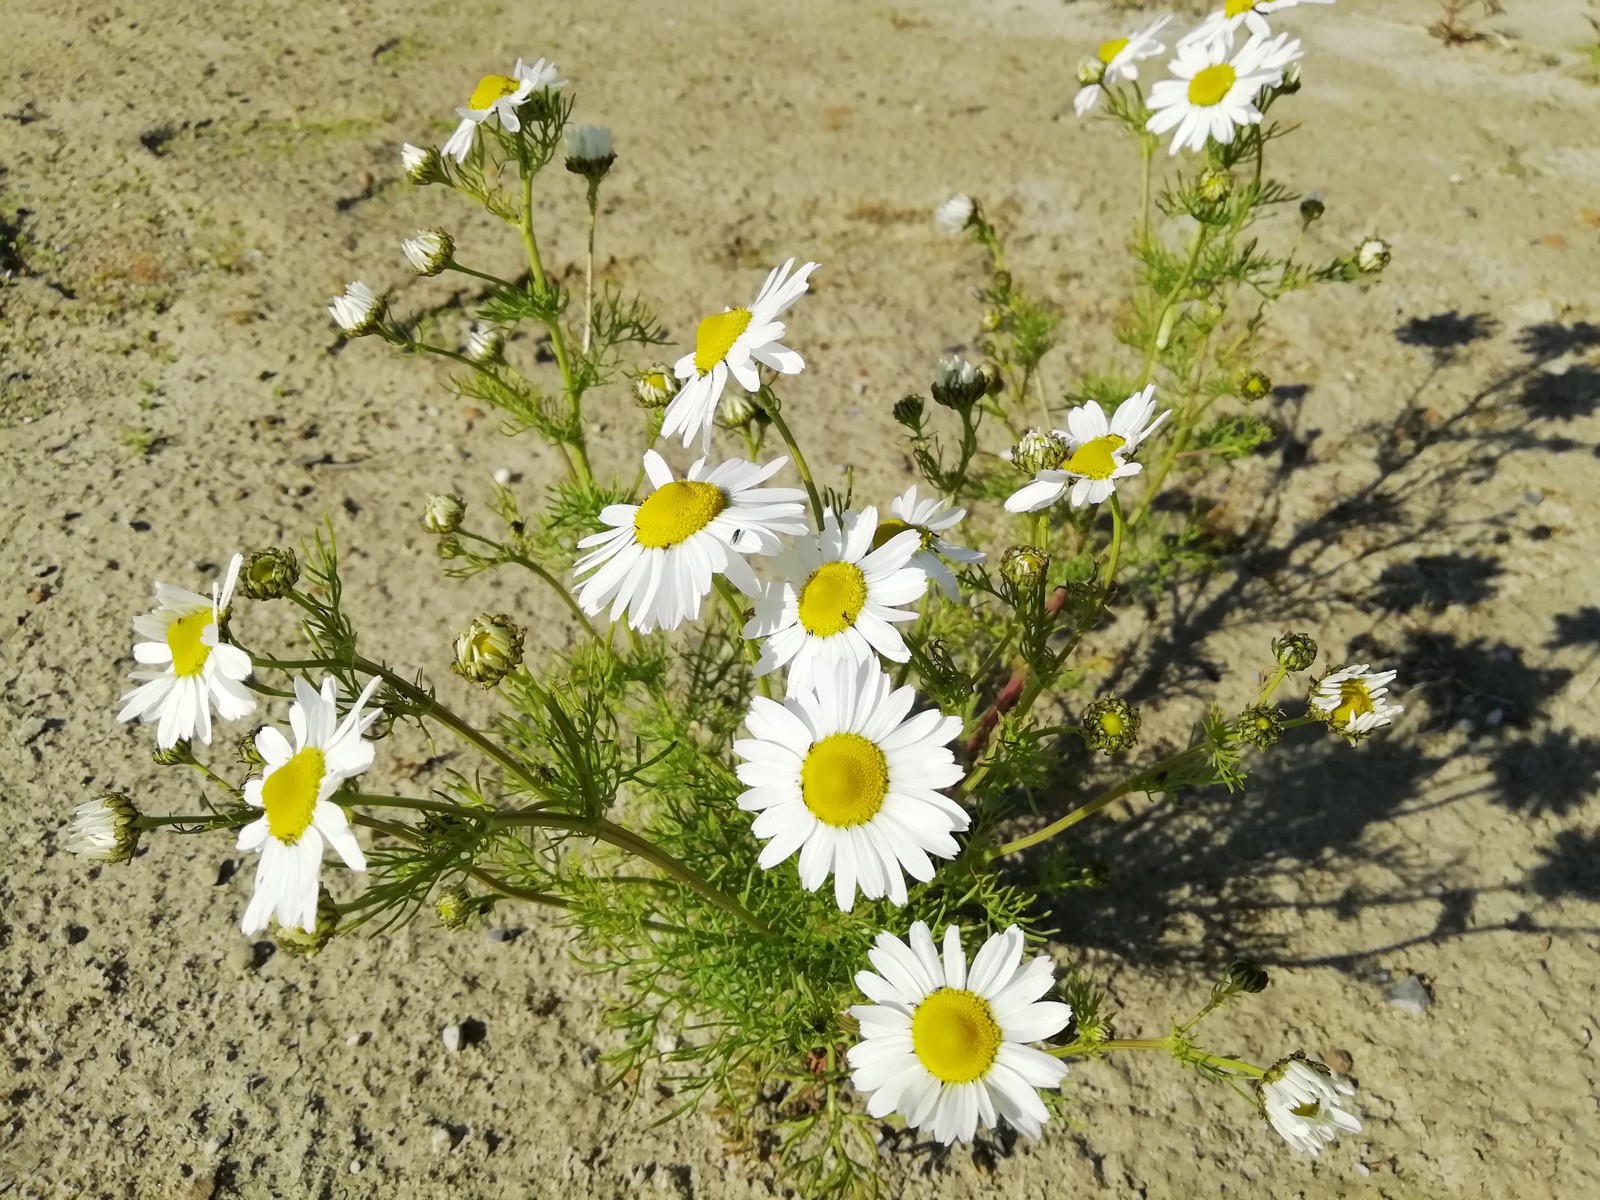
355,1166
452,1038
502,476
1494,716
356,1039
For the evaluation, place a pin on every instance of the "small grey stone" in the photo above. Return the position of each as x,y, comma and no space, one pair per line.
358,1038
502,935
1409,995
439,1140
452,1038
1379,975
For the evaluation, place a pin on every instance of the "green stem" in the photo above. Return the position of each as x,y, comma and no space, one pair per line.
145,821
588,268
522,560
1201,237
752,651
372,800
1108,573
1271,685
453,265
800,464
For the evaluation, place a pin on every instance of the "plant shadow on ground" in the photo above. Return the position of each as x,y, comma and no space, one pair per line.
1198,878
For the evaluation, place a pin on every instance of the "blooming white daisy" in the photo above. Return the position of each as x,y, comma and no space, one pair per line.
1226,20
657,559
1215,89
837,601
588,143
955,214
1303,1101
1098,458
1354,700
358,311
196,671
735,342
945,1046
929,517
103,829
293,792
1119,61
499,96
841,773
428,250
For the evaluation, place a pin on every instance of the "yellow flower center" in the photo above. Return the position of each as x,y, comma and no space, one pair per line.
675,512
1354,701
289,795
716,336
1112,723
1109,50
1209,86
189,653
893,527
844,780
955,1035
832,598
1235,8
491,88
1096,459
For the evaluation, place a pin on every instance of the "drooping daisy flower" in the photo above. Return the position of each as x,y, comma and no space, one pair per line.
499,96
357,312
658,558
429,250
929,518
837,601
1098,457
104,829
1354,700
945,1046
293,792
955,214
735,342
1226,20
841,773
1119,61
1215,89
196,671
1304,1103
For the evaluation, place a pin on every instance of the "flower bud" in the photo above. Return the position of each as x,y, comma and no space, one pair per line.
449,546
1260,726
908,411
956,214
1291,80
1247,976
485,343
1039,452
654,388
1255,385
993,376
1090,71
308,943
1311,210
174,755
1110,725
737,409
428,250
1372,256
1215,186
247,752
458,908
269,574
1024,566
1295,651
488,650
359,311
422,164
958,384
589,150
103,830
443,513
992,319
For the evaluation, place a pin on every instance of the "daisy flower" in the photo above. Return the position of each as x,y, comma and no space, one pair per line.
735,342
499,96
429,250
657,559
104,829
359,311
945,1045
1304,1103
195,671
841,773
1226,20
1119,61
293,792
1098,454
955,214
1354,700
837,601
929,518
1215,89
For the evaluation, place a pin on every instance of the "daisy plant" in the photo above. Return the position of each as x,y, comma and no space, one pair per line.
778,757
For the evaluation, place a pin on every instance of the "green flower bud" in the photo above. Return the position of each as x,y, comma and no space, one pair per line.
1024,566
1255,385
248,754
654,387
1090,71
449,546
1295,651
992,320
908,411
1039,452
738,408
269,574
958,384
1215,186
1311,210
1260,726
1110,725
103,830
308,943
443,513
174,755
1247,976
458,908
488,650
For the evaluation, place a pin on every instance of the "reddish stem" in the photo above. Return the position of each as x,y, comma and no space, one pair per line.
1012,692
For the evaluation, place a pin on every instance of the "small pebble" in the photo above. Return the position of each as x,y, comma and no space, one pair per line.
1494,716
502,935
357,1039
502,475
439,1140
452,1038
1338,1061
355,1166
1363,1169
1409,995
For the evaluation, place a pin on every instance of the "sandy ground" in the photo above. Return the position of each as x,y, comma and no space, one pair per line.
197,179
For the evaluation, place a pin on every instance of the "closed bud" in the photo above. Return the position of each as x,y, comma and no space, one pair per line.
443,513
1295,651
457,908
359,311
958,384
429,250
589,150
1255,385
488,650
737,409
1039,452
308,943
103,830
1260,726
269,574
1215,186
247,752
485,343
1372,256
1090,71
653,388
449,546
1311,210
1024,566
992,320
174,755
1110,725
422,164
1247,976
908,411
956,214
1002,282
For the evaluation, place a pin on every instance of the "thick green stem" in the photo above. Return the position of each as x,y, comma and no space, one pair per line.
1108,573
800,464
